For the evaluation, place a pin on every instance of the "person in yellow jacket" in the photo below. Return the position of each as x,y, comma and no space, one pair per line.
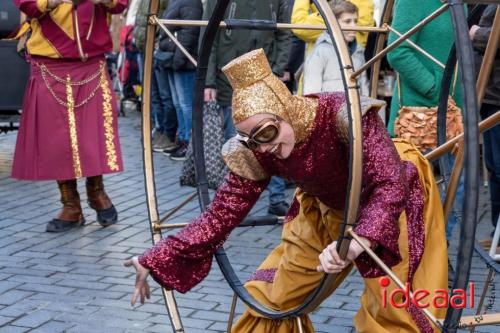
305,12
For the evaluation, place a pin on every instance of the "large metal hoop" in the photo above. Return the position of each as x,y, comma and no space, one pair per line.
355,147
351,210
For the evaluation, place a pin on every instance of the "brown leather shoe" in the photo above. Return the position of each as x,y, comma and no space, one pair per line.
71,215
100,202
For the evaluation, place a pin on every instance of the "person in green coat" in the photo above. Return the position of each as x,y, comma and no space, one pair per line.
419,76
141,21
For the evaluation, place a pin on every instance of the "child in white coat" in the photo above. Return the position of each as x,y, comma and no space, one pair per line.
322,68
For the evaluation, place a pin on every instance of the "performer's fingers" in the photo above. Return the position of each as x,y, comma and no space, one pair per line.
128,263
328,256
134,296
143,294
333,252
329,267
148,291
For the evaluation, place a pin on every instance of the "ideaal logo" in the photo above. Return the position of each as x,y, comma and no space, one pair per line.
440,298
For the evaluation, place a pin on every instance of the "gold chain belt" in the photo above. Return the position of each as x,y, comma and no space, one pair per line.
68,83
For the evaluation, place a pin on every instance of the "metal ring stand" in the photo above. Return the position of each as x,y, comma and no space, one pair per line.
471,150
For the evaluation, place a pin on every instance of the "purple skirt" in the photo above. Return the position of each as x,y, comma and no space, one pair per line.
68,124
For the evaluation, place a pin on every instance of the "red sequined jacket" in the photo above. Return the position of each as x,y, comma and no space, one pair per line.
319,166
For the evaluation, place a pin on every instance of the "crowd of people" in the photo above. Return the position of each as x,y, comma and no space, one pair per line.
283,106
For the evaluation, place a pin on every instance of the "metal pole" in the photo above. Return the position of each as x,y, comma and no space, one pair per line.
170,35
390,273
418,48
224,25
484,125
231,313
400,40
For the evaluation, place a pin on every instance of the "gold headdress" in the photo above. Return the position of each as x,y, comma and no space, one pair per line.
257,90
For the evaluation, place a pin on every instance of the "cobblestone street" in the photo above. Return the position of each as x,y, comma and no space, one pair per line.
75,282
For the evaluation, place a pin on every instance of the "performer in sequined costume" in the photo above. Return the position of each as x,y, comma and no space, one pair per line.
68,124
400,214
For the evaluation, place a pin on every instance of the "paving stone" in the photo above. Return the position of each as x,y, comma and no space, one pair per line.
4,320
13,329
34,319
53,327
45,288
78,278
12,296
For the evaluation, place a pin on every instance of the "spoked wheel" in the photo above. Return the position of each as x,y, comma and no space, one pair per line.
349,75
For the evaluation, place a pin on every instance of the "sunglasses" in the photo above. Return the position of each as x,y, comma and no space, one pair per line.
264,132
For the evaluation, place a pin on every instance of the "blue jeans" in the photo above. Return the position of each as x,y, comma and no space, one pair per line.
162,105
276,190
229,129
140,65
492,160
457,208
182,86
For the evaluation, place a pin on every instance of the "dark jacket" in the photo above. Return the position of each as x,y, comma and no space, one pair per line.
492,93
230,44
141,21
187,36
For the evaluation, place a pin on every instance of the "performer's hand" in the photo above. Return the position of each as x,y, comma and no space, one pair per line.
472,31
330,261
51,4
210,94
141,284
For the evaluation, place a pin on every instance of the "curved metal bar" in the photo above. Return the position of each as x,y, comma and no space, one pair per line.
147,154
471,156
324,287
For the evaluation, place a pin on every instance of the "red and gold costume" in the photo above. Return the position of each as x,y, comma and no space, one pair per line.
400,210
68,126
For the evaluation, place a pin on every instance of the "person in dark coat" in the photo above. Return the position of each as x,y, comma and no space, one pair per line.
479,35
230,44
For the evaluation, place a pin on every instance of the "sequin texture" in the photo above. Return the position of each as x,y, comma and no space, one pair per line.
318,166
182,261
266,275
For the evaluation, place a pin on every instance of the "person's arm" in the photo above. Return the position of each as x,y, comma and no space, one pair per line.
283,40
383,198
301,15
33,8
116,6
480,34
180,262
314,68
188,36
403,58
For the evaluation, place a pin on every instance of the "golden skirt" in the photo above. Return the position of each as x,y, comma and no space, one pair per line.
316,225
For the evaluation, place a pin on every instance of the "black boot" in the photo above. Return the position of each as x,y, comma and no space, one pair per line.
71,215
100,202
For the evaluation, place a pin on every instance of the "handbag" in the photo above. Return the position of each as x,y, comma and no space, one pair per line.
213,139
418,124
164,59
